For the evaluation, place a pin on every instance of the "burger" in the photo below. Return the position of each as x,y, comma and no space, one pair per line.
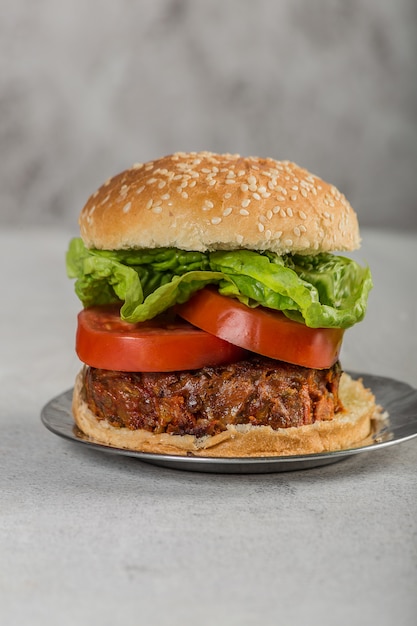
215,299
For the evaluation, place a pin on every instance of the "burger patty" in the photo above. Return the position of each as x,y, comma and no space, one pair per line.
258,391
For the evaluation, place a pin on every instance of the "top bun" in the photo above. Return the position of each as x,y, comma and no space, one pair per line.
204,201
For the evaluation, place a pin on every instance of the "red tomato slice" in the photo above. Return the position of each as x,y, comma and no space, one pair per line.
105,341
262,330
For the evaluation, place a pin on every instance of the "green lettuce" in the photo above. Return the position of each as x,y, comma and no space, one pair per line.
321,291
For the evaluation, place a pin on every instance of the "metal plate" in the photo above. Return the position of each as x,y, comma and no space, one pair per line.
397,398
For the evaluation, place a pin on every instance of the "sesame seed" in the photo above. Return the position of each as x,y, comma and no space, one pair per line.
302,215
229,181
192,184
269,214
157,209
276,209
288,242
268,234
166,196
150,181
251,180
244,212
261,227
227,195
261,189
140,189
256,196
227,211
304,192
283,213
149,204
297,231
126,207
245,203
289,212
106,199
209,204
212,182
184,195
137,166
244,187
216,220
294,197
253,187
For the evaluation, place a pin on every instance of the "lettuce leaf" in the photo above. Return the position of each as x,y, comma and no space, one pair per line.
321,290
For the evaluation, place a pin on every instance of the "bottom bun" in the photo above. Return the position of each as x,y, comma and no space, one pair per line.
352,427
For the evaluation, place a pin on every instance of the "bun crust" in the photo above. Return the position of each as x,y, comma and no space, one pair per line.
351,428
204,201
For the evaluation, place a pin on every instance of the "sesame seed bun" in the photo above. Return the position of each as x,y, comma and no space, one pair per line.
352,427
204,201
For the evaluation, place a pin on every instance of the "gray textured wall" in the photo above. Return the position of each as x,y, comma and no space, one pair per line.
88,86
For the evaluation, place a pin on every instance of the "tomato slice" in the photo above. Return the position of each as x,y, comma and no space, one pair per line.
262,330
164,344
